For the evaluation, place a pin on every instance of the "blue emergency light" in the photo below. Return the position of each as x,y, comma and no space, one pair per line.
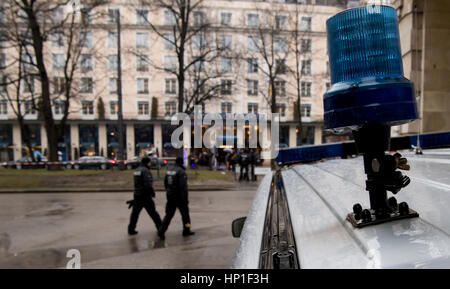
367,82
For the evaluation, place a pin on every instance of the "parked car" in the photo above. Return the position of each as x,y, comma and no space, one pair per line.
27,163
92,162
155,163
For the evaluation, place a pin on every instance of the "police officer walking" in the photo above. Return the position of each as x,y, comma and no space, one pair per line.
143,194
243,161
175,183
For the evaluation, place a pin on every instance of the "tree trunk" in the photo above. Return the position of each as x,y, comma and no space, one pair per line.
46,109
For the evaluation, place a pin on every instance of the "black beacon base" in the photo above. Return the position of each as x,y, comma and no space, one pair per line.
372,140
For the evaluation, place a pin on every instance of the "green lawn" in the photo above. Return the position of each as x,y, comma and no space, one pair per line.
41,178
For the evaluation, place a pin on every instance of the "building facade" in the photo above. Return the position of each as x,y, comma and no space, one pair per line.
150,92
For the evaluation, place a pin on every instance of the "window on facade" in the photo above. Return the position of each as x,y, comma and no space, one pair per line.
170,108
306,88
252,87
280,87
87,107
306,110
252,65
142,63
2,60
86,85
280,45
252,108
24,36
59,107
2,14
171,86
226,107
169,41
253,43
225,18
28,62
327,68
281,109
306,67
58,61
280,22
57,39
86,39
226,65
327,86
112,39
86,16
141,16
29,108
170,63
142,40
113,107
57,14
58,85
112,15
306,45
143,108
226,86
198,42
113,62
3,107
169,18
199,86
305,24
142,85
199,18
252,20
112,85
3,39
87,62
28,84
280,66
199,65
3,83
225,42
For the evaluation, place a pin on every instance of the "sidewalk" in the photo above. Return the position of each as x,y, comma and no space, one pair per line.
221,187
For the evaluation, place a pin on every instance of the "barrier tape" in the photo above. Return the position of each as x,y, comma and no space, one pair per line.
6,164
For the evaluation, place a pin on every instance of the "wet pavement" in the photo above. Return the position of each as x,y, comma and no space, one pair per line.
37,230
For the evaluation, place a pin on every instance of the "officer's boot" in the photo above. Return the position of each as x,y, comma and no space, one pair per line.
187,230
161,232
131,231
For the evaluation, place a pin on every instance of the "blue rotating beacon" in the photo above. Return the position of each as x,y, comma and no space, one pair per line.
368,95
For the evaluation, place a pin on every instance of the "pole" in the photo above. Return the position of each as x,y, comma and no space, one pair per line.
119,89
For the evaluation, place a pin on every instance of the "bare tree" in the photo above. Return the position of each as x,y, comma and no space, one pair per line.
11,91
43,21
269,42
302,46
185,29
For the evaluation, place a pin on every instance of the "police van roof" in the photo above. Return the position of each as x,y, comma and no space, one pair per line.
320,195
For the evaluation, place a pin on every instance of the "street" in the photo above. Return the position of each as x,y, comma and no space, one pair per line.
37,230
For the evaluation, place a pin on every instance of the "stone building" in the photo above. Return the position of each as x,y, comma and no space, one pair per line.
150,93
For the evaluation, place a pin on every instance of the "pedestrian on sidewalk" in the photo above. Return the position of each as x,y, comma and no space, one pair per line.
143,196
176,186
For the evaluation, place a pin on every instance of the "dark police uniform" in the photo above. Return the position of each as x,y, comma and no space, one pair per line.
244,160
143,194
176,186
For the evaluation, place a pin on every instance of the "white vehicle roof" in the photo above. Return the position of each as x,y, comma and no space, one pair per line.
320,196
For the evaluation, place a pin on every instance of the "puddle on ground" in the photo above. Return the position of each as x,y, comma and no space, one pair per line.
56,257
54,209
